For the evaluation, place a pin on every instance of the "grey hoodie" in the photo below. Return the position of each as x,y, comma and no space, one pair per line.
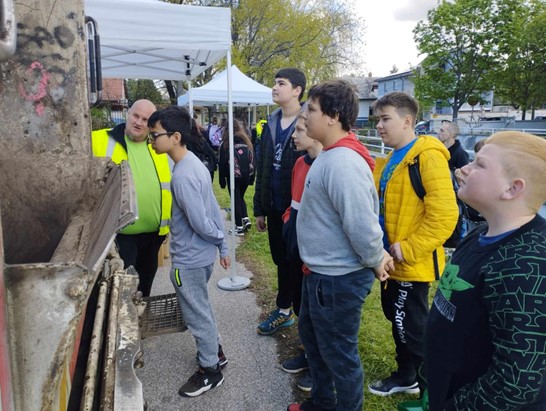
338,227
197,225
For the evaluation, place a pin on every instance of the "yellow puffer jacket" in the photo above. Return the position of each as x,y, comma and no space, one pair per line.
420,226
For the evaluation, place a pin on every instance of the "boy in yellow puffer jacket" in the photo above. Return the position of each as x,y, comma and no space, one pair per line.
414,232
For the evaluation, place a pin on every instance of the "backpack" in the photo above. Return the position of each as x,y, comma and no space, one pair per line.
243,160
215,135
205,153
461,229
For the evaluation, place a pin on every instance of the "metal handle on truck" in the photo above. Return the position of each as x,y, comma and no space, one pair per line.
95,69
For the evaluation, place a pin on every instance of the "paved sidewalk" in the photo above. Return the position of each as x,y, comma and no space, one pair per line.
253,379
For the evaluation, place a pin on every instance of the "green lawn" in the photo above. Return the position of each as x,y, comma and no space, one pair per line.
375,342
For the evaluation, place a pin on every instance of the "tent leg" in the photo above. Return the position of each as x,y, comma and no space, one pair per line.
234,282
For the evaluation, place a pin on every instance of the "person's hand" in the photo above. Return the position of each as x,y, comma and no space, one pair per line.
386,266
225,262
261,225
396,252
389,261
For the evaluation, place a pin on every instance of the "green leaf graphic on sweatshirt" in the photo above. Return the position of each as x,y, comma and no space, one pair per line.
451,282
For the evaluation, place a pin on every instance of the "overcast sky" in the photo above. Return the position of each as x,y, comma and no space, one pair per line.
389,37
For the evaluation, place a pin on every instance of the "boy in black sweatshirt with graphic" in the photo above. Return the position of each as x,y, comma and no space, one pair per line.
485,345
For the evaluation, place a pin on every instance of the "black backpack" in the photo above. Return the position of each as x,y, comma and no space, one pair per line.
461,229
244,163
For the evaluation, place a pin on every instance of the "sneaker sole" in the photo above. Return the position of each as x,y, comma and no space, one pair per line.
294,370
202,390
286,324
413,389
223,363
304,388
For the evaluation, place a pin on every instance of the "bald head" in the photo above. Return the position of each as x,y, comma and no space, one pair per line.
448,132
136,126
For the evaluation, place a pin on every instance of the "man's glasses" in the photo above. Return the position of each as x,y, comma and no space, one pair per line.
155,136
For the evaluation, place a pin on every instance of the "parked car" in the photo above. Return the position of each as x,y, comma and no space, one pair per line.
422,127
468,141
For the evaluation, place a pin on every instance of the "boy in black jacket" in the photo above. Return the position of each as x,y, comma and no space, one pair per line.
272,194
486,333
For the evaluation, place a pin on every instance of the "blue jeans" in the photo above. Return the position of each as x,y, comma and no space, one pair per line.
190,286
329,320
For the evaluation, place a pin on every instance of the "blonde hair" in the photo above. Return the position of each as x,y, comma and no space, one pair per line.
524,156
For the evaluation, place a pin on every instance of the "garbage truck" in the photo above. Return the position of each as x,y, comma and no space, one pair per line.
69,318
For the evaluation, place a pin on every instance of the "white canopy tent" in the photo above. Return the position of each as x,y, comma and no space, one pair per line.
245,91
149,39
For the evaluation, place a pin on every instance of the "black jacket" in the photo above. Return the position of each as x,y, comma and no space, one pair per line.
459,157
262,194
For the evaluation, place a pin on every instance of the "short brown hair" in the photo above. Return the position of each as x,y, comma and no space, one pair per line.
403,103
337,98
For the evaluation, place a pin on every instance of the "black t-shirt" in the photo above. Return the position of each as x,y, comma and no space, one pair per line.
280,141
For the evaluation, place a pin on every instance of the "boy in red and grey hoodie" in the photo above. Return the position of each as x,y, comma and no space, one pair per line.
301,142
341,242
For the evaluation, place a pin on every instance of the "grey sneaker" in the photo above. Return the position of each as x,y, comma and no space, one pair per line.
390,386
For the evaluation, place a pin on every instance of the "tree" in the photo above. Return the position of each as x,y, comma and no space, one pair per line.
320,37
139,89
520,76
458,39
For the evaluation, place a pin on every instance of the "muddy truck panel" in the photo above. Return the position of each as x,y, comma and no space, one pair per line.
60,209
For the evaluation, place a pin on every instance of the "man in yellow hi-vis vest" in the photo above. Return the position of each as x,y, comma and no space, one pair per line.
139,243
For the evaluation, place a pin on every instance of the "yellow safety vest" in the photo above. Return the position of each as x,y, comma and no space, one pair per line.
105,146
260,127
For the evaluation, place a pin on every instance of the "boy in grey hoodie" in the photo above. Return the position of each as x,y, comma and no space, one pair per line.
340,207
196,237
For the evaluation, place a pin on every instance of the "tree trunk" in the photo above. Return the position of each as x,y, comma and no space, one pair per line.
172,94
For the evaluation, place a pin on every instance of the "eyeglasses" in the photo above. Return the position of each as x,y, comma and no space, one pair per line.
155,136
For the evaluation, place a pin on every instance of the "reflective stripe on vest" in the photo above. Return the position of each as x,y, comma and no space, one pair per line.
105,146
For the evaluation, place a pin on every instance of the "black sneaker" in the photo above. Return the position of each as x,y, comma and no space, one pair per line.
240,231
222,360
203,380
390,386
296,364
306,382
247,223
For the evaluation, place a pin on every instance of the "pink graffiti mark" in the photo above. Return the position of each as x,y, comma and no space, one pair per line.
41,91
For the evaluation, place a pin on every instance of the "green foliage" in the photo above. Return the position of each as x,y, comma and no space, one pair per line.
319,37
100,118
520,75
143,89
459,39
473,46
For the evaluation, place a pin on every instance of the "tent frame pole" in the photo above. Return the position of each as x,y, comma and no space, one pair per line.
234,282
